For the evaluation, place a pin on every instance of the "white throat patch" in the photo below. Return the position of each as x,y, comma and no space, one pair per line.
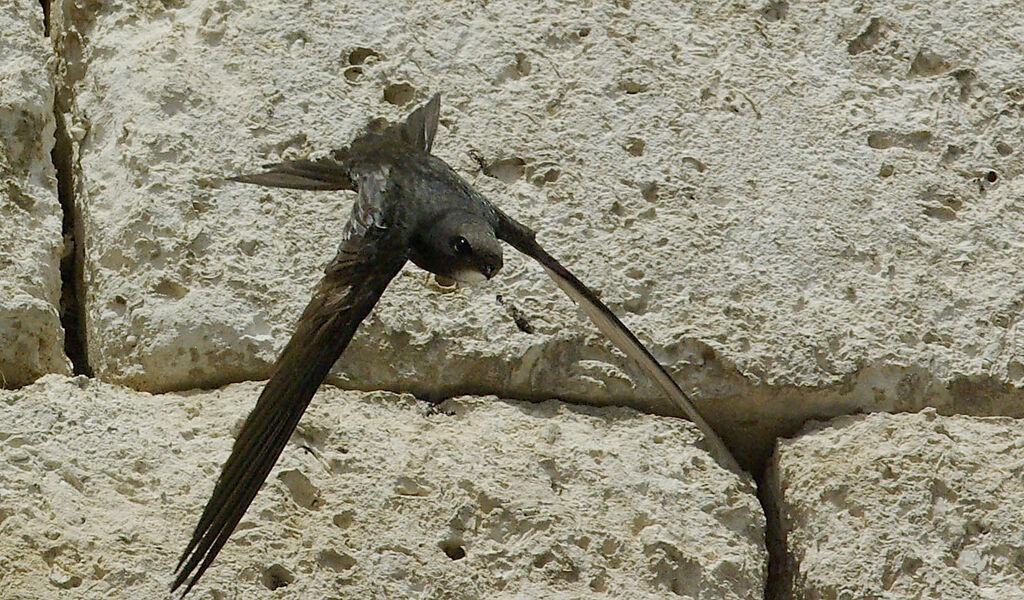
469,277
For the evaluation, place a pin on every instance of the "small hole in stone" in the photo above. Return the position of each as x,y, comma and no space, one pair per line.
867,39
399,94
886,171
928,63
507,170
276,577
632,87
635,146
334,560
453,549
919,139
523,64
302,490
1004,149
360,55
775,11
697,164
879,141
543,559
952,153
353,73
170,289
584,32
343,520
991,177
549,176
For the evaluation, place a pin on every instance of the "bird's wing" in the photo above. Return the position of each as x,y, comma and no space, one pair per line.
302,174
334,172
366,262
523,239
420,126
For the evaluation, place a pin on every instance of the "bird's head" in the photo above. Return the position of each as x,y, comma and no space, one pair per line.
465,248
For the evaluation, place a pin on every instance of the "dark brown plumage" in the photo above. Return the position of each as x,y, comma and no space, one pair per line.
410,206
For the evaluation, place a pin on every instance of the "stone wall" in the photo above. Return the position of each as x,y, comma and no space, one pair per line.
31,245
805,210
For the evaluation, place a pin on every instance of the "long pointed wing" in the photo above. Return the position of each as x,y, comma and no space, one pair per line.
522,239
366,262
420,126
302,174
334,172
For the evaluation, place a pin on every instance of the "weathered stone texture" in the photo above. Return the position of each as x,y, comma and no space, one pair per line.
31,338
904,506
804,208
377,496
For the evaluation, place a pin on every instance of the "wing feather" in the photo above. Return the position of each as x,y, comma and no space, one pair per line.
302,174
522,238
335,172
369,257
420,126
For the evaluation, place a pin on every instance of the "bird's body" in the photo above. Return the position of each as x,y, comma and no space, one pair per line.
411,206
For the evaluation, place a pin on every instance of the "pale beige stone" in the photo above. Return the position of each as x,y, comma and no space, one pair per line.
804,208
904,506
377,496
31,338
733,212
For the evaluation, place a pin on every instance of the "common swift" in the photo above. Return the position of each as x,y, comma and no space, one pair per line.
410,206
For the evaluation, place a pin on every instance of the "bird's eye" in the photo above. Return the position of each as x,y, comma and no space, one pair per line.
461,245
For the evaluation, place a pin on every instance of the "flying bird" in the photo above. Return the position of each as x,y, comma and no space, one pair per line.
410,206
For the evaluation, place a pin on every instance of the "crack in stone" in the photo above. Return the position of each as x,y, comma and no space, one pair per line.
72,293
779,582
72,277
46,16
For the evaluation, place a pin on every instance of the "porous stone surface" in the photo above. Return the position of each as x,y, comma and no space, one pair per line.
903,506
377,496
31,338
804,208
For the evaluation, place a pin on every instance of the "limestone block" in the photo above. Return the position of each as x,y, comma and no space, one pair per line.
31,338
904,506
377,496
804,208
